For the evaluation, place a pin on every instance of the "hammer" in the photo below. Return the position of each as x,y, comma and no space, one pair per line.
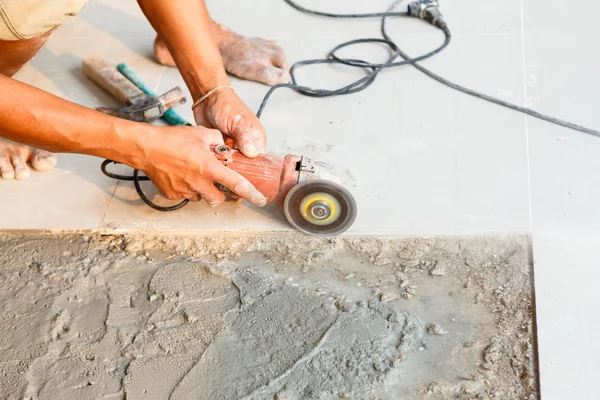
140,106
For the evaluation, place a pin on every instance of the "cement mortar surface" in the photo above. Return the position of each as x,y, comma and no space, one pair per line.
265,317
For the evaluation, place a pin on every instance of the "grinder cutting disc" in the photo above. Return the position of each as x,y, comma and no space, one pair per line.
320,207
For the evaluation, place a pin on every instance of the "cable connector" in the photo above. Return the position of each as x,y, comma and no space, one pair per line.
429,11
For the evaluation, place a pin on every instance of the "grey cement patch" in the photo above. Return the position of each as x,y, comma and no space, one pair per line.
265,317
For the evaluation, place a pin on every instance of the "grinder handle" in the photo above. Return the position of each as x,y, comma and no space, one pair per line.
111,80
272,175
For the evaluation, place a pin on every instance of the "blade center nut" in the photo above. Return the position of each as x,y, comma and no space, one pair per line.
320,210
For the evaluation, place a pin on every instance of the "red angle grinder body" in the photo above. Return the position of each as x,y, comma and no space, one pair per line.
310,198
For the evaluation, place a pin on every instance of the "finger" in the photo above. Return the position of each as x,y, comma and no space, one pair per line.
190,195
171,194
6,169
230,142
239,185
209,193
22,171
196,198
250,136
251,142
166,187
212,136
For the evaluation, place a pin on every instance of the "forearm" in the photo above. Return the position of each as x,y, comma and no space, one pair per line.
185,27
39,119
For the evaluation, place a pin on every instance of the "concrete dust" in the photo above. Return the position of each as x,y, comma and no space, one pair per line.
265,317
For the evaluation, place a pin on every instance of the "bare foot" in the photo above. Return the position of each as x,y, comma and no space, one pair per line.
253,59
14,158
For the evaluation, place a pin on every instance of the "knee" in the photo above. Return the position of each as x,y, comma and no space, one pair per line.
27,19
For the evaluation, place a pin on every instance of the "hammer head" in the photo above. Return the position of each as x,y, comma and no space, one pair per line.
146,108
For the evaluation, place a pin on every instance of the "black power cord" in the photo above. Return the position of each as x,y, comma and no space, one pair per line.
427,10
424,9
136,179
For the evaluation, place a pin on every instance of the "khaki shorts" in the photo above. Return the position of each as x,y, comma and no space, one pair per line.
26,19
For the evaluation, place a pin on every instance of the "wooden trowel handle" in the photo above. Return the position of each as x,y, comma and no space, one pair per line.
110,79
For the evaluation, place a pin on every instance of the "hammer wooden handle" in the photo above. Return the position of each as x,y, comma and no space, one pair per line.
110,79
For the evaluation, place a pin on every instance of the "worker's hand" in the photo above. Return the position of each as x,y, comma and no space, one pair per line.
181,164
224,111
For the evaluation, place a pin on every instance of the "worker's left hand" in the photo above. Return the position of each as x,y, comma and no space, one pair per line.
224,111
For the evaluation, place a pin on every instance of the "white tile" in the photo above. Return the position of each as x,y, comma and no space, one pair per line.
276,19
560,16
128,213
74,196
419,158
562,81
566,281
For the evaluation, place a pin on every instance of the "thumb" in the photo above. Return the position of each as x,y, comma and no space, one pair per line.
251,141
248,149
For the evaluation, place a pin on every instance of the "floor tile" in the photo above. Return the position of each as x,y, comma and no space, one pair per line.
565,217
74,196
567,297
404,147
560,16
276,19
414,163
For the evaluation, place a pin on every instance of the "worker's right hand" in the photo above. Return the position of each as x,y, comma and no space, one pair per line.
181,164
225,111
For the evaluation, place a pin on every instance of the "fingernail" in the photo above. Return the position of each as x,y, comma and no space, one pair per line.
260,201
249,150
214,203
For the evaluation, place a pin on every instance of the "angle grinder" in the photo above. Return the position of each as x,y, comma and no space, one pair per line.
312,200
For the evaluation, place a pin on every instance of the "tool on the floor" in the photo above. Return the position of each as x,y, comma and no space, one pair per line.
170,116
141,107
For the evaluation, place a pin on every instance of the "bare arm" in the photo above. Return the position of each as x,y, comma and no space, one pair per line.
185,27
36,118
177,159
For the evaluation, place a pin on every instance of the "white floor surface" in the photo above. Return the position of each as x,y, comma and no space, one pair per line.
419,157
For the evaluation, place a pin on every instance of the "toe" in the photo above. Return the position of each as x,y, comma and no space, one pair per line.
270,75
6,169
22,171
278,58
43,161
